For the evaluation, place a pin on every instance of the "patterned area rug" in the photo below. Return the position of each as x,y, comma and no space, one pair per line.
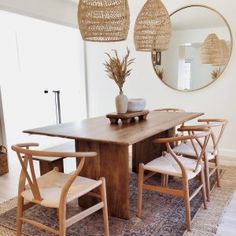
162,214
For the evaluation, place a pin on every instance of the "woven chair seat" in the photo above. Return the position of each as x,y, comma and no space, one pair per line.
50,187
186,149
167,165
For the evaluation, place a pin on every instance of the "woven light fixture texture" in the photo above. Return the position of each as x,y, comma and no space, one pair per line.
103,20
222,57
153,27
210,49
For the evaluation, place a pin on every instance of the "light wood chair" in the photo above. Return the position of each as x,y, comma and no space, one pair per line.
56,189
178,166
170,110
165,178
217,127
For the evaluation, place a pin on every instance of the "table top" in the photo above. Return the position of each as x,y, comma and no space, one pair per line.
99,128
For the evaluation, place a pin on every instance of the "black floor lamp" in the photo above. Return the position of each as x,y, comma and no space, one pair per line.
57,105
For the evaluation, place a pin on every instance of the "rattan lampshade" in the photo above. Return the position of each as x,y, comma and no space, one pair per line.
103,20
152,27
210,49
222,57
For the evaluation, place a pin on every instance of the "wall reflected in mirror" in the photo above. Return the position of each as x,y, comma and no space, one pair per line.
199,50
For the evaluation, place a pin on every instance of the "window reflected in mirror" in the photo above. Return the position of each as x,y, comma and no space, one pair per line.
199,50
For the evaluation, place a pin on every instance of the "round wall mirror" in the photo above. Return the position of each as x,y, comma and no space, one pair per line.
199,50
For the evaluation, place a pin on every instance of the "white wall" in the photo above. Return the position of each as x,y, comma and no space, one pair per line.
37,56
217,100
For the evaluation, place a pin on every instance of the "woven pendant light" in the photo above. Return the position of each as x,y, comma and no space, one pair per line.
222,57
103,20
210,49
152,27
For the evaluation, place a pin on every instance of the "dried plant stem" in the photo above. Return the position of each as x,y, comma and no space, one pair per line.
117,69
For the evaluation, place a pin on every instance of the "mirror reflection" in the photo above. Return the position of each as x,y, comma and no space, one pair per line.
199,50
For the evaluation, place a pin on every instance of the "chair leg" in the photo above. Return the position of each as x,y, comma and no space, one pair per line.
187,204
20,202
104,209
164,180
140,189
62,220
203,189
217,171
57,212
207,179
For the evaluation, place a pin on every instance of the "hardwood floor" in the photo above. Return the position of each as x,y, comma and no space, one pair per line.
228,222
9,182
227,225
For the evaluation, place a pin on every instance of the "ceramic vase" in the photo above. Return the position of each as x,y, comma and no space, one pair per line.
121,103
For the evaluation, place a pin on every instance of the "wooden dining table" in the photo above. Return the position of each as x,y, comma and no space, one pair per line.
111,142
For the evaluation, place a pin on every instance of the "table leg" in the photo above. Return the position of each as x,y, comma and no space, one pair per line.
46,166
112,163
145,151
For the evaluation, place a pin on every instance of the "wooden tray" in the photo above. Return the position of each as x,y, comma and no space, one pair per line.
128,117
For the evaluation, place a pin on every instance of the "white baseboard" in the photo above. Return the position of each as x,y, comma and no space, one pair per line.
229,153
227,156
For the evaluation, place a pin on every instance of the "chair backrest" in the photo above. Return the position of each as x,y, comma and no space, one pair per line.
217,127
191,130
196,133
166,109
25,155
170,110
